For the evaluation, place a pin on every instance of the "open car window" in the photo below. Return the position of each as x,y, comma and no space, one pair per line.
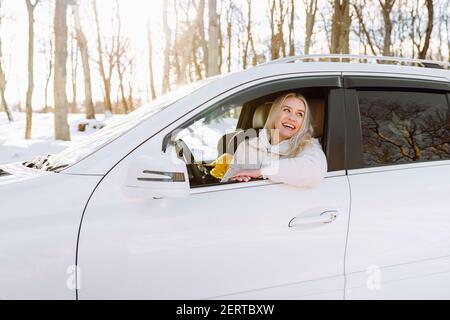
207,142
203,135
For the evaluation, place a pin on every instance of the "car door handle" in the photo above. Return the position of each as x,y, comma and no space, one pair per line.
324,217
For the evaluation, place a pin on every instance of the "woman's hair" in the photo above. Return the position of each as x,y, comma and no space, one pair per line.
303,137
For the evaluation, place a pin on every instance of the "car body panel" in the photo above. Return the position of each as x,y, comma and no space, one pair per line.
39,220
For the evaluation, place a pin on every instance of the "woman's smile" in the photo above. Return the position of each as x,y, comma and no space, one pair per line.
290,118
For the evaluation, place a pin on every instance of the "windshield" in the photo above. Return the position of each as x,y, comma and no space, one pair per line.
81,149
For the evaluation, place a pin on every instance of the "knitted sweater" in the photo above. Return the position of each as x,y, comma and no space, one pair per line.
307,169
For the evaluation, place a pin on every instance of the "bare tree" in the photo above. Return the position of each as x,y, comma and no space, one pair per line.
280,26
213,39
249,34
3,105
49,54
106,80
167,35
199,41
311,9
277,14
122,61
340,27
219,26
82,45
291,28
386,8
74,71
130,86
180,78
230,13
358,8
429,29
28,106
200,31
62,131
447,29
150,61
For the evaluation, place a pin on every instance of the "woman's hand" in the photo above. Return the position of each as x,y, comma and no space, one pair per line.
246,175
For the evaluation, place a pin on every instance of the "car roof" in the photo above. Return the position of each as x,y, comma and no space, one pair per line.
339,67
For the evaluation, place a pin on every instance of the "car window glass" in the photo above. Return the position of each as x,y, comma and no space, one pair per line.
204,133
403,127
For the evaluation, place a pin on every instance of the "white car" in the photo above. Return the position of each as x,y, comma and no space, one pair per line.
118,216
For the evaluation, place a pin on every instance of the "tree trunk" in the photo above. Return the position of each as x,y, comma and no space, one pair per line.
274,46
180,74
82,45
429,29
121,47
74,65
167,36
219,24
201,36
62,131
229,35
340,27
447,29
150,62
49,75
310,21
213,39
3,104
229,17
291,29
364,30
28,106
130,97
386,8
106,82
280,33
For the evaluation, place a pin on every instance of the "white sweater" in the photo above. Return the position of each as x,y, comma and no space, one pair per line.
307,169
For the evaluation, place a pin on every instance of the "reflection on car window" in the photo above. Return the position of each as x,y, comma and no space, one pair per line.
203,135
404,127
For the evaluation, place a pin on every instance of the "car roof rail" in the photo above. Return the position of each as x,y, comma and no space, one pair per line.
361,59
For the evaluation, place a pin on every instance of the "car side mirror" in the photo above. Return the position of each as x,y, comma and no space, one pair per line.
162,176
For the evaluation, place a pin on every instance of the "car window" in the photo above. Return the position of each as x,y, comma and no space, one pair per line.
207,142
203,135
403,126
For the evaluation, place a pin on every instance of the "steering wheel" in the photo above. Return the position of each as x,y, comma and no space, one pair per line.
185,154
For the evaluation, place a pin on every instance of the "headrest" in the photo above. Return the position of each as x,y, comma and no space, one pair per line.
260,115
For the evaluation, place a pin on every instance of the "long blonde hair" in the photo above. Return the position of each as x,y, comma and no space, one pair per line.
303,137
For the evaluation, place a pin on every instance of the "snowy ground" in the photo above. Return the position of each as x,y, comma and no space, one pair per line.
13,146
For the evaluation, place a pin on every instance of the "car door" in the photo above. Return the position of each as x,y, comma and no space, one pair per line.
223,240
399,170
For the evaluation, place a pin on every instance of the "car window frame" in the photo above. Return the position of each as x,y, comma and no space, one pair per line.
334,125
353,83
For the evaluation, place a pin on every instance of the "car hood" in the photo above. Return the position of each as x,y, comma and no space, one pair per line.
14,172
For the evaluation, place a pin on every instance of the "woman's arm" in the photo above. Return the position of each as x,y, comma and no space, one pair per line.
306,170
236,164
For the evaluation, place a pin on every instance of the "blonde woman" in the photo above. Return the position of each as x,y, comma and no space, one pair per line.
285,150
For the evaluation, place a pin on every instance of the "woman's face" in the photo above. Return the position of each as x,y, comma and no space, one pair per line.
290,118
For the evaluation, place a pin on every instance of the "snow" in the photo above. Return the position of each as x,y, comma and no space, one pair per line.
13,146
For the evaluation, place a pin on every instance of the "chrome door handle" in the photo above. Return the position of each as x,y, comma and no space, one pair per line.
324,217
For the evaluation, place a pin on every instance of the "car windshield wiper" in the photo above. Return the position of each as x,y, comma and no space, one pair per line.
46,163
37,162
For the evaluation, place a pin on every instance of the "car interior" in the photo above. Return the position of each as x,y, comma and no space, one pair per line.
251,120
